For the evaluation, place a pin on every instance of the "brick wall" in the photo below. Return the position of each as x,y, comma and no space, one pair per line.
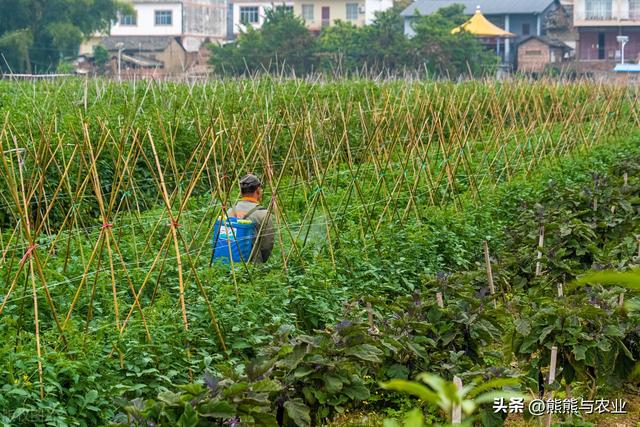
533,56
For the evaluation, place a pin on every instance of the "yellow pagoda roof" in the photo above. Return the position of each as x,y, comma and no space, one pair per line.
480,26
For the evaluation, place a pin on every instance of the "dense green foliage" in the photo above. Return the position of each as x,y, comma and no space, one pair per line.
36,34
283,45
417,126
270,363
296,379
343,304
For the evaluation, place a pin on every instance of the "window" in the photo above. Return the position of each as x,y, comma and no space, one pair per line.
526,29
533,52
598,9
634,9
326,12
164,17
249,15
130,20
601,51
352,11
287,9
307,12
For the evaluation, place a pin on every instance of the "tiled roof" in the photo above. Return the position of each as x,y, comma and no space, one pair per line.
140,43
488,7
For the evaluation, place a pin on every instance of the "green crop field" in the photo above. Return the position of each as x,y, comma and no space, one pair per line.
424,231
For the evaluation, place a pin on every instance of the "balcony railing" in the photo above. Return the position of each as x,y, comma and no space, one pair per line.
631,16
598,15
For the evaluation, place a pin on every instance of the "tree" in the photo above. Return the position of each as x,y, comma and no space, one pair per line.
341,48
283,43
387,46
36,34
378,47
344,48
100,56
446,54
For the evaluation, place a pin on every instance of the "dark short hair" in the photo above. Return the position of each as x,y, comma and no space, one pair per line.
249,184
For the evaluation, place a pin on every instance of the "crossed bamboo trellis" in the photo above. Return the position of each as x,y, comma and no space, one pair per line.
414,146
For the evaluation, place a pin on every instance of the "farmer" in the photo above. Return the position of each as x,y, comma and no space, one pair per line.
249,208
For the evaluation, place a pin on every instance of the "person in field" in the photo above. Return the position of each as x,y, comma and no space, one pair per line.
249,208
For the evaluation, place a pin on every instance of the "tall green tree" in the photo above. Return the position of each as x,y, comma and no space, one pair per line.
446,54
341,48
387,46
344,48
36,34
283,43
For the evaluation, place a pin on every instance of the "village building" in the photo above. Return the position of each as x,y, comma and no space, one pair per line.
522,18
599,23
485,31
252,14
318,14
146,56
537,53
167,36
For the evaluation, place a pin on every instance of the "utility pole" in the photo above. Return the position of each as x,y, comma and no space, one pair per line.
623,40
120,46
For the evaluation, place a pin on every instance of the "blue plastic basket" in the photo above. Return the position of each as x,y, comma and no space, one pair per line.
232,241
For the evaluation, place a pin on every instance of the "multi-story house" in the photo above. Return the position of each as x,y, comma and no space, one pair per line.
191,20
599,23
524,18
163,36
252,13
323,13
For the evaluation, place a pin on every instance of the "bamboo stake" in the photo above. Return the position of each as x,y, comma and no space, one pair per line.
551,380
37,326
540,246
456,412
487,261
173,227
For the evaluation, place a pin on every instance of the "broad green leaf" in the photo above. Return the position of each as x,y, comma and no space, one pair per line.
18,413
398,371
189,417
414,388
303,371
468,406
193,389
489,396
217,409
388,422
414,418
234,389
494,383
365,352
264,420
580,352
357,392
266,385
626,279
91,397
298,412
523,327
333,383
170,398
436,383
613,331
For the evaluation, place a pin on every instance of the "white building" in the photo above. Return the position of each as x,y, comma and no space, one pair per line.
150,18
318,14
192,20
252,13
